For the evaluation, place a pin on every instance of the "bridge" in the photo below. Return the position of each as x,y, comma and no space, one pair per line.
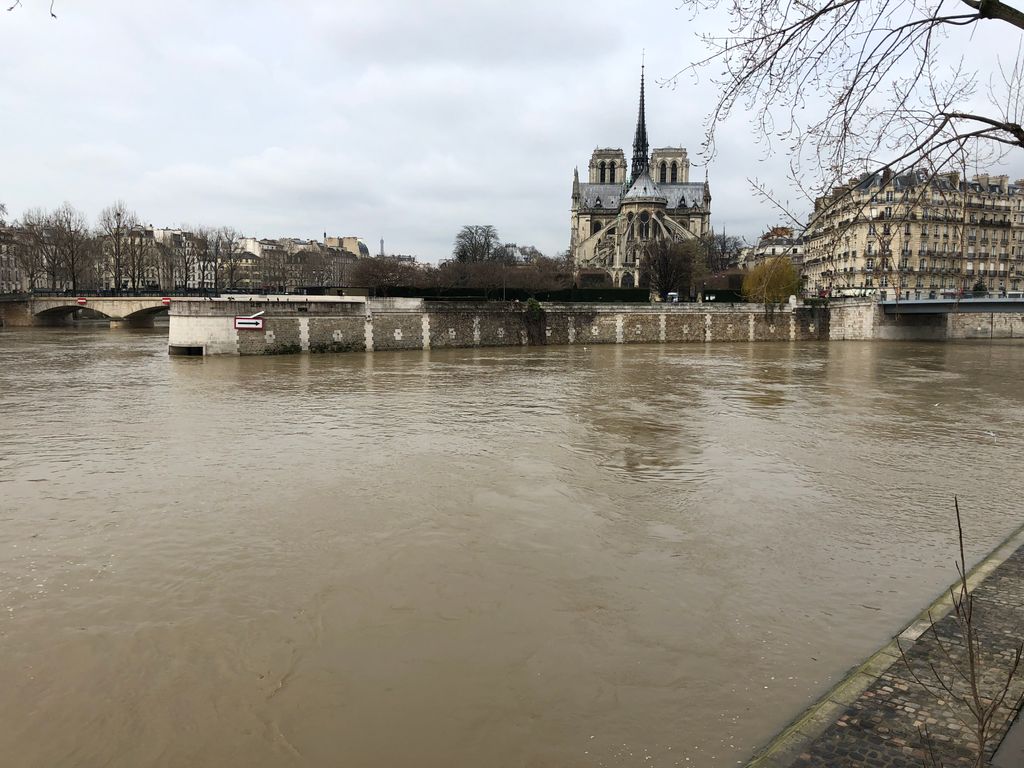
135,311
965,304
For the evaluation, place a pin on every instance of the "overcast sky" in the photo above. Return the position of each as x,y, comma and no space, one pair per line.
401,119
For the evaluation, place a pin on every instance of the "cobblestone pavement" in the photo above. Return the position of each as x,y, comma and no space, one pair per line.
893,719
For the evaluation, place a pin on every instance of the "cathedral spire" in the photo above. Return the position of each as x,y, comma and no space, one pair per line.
641,150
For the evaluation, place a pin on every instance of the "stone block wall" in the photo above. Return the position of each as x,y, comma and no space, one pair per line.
396,324
337,334
398,330
685,328
15,314
992,325
852,320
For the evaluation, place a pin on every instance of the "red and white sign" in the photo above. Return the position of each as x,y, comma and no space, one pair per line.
248,323
81,301
166,301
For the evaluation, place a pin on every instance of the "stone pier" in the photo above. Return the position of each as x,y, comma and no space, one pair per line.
292,324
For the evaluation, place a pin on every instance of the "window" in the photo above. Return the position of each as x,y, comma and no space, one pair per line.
611,172
601,166
675,172
663,173
645,225
888,196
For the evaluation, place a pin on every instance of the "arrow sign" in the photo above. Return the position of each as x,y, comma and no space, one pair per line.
248,323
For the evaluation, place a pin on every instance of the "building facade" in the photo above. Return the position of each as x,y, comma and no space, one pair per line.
777,241
10,272
620,210
916,235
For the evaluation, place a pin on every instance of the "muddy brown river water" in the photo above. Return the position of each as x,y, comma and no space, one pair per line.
585,556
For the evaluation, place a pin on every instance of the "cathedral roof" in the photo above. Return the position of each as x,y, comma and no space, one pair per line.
686,195
644,189
607,194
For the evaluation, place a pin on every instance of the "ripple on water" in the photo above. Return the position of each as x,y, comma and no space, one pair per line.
670,549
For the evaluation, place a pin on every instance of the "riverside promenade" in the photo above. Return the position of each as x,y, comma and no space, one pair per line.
877,716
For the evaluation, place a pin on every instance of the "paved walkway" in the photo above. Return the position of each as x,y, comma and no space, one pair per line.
875,718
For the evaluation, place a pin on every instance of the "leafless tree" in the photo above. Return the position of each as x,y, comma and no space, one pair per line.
477,242
206,258
140,257
229,256
33,246
667,266
114,225
275,269
964,674
17,4
722,250
71,240
383,272
856,85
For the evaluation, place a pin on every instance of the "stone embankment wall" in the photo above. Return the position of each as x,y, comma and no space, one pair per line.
199,327
864,320
994,325
15,314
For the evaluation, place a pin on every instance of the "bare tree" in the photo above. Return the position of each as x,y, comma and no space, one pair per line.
32,249
229,256
854,85
383,272
114,225
965,675
140,257
17,4
275,269
477,242
667,266
206,258
71,240
722,250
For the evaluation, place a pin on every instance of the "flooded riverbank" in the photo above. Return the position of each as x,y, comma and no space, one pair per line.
551,556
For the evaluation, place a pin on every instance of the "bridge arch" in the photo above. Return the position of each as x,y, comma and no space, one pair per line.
133,309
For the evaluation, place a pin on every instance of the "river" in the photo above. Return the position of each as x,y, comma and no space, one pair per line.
579,556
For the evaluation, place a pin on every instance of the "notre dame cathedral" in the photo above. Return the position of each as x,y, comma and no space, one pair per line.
615,216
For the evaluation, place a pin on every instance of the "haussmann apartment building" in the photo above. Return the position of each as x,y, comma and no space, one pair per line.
916,235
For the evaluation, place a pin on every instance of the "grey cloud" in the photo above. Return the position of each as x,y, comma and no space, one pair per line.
397,118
